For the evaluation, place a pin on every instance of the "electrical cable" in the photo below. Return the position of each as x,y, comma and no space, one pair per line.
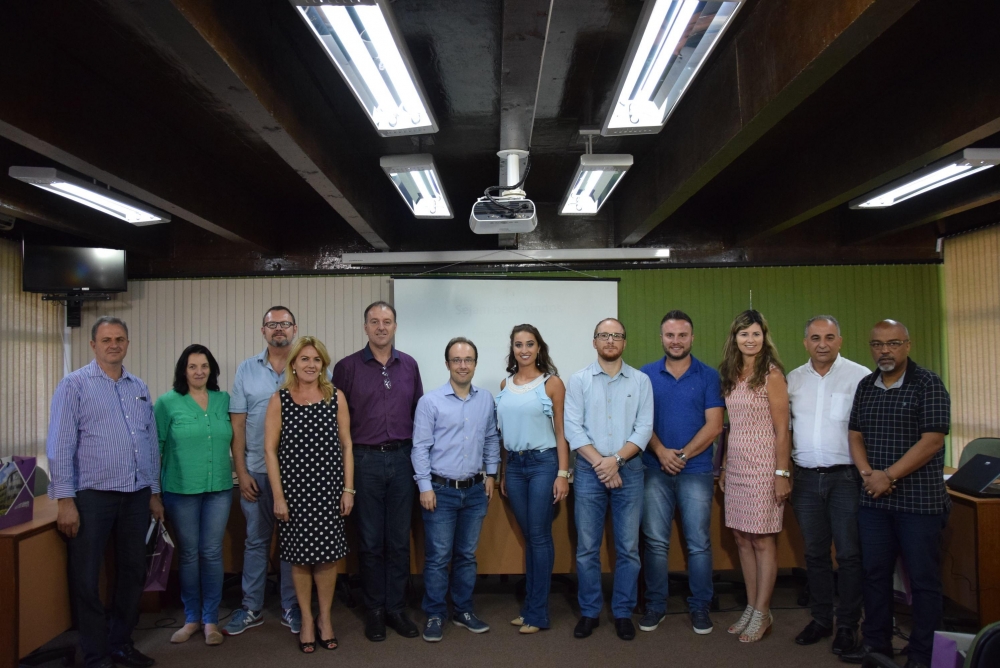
517,186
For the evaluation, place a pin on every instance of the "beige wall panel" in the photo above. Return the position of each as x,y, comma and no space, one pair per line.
972,304
31,359
165,316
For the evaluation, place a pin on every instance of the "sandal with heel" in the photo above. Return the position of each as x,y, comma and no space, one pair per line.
330,644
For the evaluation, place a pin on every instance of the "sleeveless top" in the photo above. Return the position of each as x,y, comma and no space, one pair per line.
524,416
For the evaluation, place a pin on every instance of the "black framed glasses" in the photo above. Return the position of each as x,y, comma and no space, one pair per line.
284,324
895,344
604,336
385,379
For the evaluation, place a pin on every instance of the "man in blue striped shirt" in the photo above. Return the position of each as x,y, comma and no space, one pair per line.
104,459
609,421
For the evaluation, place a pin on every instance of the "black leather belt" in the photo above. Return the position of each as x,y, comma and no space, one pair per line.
388,446
828,469
457,484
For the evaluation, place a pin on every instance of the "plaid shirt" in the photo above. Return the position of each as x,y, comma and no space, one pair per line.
892,421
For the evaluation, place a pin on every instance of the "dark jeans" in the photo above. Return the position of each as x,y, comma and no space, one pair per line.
886,534
530,477
826,507
383,507
126,515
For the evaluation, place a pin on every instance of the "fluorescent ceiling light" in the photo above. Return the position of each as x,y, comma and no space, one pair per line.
670,44
416,179
507,256
363,41
593,182
954,167
104,200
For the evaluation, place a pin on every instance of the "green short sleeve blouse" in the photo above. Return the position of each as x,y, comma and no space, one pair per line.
194,443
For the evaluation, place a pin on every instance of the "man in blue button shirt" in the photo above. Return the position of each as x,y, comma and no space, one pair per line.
104,459
454,440
687,418
608,422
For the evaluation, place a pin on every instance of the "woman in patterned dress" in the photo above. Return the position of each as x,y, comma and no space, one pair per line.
755,476
307,445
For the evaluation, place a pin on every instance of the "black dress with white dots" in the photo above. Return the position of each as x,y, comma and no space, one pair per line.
312,477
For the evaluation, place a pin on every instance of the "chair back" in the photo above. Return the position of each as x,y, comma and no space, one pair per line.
980,446
985,649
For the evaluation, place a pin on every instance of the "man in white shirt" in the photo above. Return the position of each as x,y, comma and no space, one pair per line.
826,490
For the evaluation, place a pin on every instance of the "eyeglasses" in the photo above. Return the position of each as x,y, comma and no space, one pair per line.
895,344
459,361
604,336
284,324
385,379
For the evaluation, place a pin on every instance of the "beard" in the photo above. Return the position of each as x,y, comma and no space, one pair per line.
280,343
609,357
887,365
677,358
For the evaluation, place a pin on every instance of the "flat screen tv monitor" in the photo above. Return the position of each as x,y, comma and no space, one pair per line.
66,269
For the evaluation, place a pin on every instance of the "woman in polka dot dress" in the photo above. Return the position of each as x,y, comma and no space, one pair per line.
307,445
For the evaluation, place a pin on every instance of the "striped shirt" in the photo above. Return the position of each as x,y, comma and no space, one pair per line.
607,412
102,435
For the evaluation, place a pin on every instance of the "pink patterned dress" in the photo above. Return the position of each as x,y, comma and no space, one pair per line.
750,464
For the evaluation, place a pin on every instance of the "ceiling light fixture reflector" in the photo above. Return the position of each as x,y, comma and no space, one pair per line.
964,163
595,179
416,178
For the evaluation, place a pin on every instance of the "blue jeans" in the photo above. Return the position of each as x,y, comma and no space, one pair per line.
530,476
886,534
692,494
591,501
260,527
826,507
383,508
451,534
199,522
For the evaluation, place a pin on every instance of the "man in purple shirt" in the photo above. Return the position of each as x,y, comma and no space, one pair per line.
382,386
104,458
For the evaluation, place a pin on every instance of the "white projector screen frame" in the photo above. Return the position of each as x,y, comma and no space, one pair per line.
432,311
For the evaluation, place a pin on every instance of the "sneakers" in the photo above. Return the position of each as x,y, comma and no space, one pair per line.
242,620
292,618
470,621
701,623
651,620
433,630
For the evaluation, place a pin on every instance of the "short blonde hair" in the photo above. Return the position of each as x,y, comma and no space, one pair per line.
292,381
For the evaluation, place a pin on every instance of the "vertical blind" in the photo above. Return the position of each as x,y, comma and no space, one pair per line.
972,289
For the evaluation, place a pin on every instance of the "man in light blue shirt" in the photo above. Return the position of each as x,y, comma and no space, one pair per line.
609,421
454,440
257,378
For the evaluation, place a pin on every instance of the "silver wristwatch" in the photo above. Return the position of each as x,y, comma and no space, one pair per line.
618,458
783,473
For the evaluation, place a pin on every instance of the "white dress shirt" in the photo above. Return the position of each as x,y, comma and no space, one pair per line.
820,410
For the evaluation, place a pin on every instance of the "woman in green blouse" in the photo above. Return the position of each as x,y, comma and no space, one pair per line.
197,482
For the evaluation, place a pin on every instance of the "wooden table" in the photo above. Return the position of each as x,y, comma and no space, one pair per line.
34,585
971,563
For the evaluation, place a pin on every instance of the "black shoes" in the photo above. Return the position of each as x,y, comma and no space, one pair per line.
401,624
858,654
813,633
846,640
130,657
586,626
375,625
624,628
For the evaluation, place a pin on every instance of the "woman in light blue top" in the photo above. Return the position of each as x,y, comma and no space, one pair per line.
536,476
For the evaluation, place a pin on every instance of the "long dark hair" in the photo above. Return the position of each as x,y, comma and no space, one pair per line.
542,360
180,371
731,366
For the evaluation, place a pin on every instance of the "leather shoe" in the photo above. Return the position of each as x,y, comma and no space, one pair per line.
131,657
375,625
846,640
401,624
585,627
624,628
813,633
857,655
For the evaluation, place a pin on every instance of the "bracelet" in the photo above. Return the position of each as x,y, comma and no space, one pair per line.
350,491
892,481
563,474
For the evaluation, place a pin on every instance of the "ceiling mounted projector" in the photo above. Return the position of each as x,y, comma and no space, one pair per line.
510,212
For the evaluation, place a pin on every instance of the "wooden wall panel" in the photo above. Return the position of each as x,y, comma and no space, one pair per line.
31,359
166,316
972,289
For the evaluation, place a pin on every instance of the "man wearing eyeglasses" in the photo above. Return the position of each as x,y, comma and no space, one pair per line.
608,422
900,417
455,440
382,386
257,378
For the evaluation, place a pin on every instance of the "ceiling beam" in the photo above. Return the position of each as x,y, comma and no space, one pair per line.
282,104
782,52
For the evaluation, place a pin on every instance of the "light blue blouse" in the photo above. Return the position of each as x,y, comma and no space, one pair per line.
524,416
